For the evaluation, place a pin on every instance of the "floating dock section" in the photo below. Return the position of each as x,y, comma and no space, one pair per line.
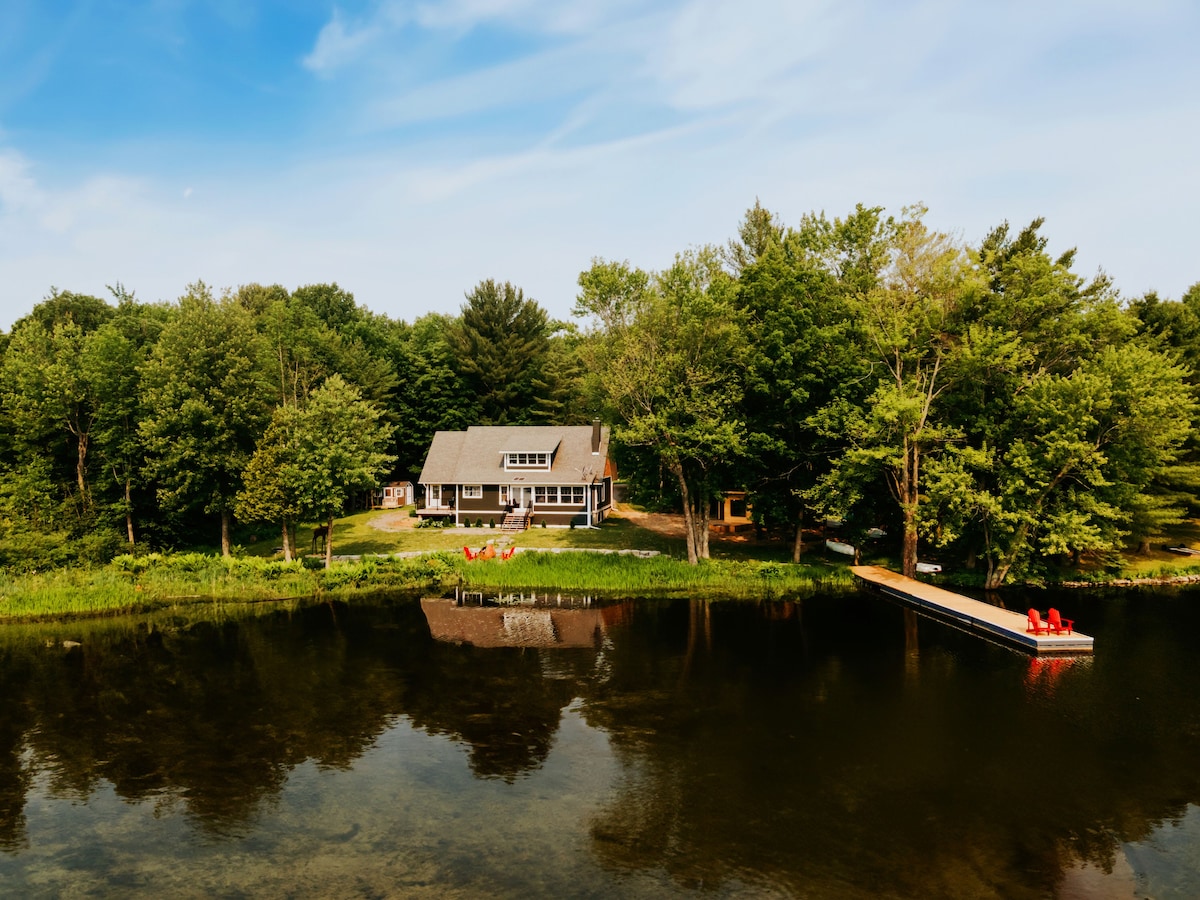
973,616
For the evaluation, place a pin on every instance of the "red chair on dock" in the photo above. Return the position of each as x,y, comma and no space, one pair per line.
1035,624
1056,623
468,554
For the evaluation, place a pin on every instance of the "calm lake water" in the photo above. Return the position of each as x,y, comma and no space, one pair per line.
834,747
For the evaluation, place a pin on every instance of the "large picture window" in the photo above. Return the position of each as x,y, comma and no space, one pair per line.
561,496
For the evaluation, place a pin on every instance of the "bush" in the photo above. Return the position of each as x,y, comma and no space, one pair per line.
30,551
479,522
491,523
99,547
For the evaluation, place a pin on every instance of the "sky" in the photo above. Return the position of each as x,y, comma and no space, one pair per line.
409,150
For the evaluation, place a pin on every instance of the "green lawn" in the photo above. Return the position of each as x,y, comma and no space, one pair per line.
355,535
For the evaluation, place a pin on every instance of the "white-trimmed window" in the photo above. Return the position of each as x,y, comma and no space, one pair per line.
504,495
526,460
472,491
566,495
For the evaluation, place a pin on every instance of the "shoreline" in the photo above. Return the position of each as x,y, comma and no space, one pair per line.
134,584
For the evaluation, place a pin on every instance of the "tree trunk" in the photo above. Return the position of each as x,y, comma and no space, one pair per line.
700,521
329,544
689,529
288,538
798,541
226,523
908,504
129,510
1144,547
995,578
81,468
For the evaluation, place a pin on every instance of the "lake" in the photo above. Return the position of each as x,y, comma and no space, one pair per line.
831,747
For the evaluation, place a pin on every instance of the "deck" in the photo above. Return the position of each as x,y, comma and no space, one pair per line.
973,616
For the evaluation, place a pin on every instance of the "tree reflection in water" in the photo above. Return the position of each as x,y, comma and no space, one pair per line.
815,747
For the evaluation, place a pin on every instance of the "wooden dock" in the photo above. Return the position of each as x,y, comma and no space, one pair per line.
973,616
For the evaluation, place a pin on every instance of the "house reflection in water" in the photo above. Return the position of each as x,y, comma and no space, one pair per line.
522,620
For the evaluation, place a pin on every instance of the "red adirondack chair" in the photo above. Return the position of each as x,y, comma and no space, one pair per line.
507,554
1035,624
1056,623
468,554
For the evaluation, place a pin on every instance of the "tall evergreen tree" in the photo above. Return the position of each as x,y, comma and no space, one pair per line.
500,342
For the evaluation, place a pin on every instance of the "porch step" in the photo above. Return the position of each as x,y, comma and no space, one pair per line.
515,522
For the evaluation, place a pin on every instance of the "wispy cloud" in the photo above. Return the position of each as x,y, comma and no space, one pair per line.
440,143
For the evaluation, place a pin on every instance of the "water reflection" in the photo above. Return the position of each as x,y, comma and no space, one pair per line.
835,747
522,620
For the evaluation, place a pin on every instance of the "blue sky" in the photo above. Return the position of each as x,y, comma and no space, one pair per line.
407,150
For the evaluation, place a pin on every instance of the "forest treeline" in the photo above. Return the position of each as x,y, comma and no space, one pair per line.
986,400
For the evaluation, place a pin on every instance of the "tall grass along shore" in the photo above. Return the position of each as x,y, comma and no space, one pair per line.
155,581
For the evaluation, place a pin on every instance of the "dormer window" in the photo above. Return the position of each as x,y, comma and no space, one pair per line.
526,460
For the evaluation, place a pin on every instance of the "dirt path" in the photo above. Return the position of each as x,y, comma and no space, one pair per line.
667,524
396,520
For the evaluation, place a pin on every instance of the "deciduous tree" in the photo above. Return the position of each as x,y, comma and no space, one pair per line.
671,370
205,396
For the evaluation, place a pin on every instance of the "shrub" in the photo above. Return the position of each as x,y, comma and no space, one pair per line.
99,547
479,522
491,523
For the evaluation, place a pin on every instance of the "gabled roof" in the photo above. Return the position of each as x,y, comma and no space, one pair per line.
476,456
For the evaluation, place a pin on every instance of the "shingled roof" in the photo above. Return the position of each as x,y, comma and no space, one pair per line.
476,456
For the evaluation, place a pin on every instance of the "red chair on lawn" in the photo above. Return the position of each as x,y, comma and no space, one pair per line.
468,554
1035,624
1056,623
507,554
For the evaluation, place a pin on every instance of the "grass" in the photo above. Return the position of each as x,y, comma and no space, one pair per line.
611,573
739,569
357,535
157,581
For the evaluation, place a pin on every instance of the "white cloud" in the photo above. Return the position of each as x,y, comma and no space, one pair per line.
18,190
715,53
633,134
339,43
